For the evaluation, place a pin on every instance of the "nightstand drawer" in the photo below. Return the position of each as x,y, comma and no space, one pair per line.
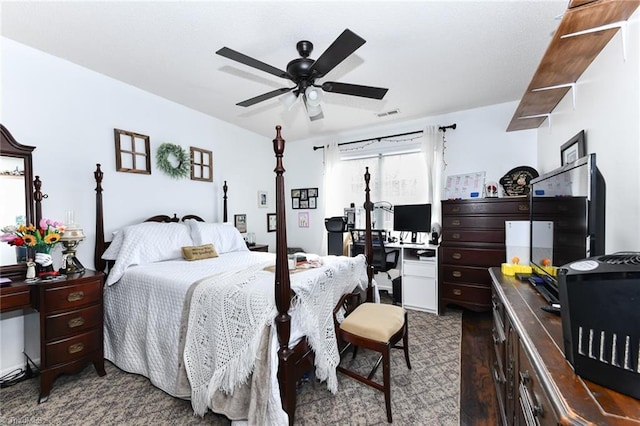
66,297
73,322
73,348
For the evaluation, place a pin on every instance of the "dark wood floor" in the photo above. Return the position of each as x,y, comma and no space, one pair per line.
478,404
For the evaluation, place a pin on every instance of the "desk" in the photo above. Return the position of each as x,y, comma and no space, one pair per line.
70,323
419,277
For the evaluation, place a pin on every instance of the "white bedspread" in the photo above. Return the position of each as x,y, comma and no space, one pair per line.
143,312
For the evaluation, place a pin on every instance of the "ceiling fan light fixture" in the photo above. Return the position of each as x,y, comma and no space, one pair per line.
313,96
288,99
313,110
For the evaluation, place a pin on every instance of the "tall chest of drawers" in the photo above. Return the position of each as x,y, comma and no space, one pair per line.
473,239
71,334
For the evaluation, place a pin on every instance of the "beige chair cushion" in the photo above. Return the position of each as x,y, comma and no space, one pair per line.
375,321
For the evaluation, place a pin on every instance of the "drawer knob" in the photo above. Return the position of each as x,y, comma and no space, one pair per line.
523,207
456,256
75,348
456,274
75,322
455,209
457,292
455,236
75,296
455,222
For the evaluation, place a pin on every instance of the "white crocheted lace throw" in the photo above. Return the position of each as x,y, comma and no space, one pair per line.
228,313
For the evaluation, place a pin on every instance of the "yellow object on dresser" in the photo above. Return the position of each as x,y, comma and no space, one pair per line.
510,269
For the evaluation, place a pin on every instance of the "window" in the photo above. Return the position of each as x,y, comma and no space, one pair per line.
395,179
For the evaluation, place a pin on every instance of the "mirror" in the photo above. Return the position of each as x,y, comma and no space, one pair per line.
16,181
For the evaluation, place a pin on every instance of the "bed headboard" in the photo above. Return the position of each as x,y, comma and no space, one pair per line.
101,245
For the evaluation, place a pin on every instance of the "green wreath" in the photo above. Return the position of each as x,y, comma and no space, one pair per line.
184,164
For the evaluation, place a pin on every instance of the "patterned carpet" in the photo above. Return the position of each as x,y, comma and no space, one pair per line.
426,395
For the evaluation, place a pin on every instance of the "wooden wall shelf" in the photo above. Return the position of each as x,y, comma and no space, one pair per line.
567,58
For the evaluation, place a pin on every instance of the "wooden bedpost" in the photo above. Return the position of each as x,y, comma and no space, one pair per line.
368,249
224,201
98,262
286,373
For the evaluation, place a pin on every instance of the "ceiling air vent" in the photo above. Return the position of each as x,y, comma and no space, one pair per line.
391,112
622,258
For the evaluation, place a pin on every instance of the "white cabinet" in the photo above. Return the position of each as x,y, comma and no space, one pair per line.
419,278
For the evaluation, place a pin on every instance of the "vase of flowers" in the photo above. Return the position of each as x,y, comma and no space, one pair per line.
40,240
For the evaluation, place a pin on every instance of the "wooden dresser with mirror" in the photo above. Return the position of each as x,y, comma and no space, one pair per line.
70,319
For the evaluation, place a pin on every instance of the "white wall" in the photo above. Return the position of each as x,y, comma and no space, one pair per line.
68,113
608,109
479,143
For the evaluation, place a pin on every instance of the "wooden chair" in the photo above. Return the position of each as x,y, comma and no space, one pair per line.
378,327
374,326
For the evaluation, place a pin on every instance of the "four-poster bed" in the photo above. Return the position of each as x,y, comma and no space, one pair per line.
302,312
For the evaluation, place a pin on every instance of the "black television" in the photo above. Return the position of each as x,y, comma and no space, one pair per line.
412,218
567,220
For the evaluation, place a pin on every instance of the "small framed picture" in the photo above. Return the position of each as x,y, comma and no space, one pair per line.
262,199
303,194
271,222
312,192
295,193
304,204
303,220
240,222
573,149
312,202
295,203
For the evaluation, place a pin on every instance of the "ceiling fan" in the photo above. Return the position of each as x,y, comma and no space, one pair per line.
304,72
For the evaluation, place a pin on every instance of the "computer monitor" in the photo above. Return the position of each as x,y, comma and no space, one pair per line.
412,218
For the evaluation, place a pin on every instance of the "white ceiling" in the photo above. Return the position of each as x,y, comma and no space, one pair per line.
435,57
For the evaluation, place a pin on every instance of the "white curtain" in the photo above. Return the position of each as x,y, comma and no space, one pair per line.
331,182
431,149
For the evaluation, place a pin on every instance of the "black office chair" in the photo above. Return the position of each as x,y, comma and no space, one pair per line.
384,258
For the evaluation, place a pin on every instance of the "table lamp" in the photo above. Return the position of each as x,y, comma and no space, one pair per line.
70,239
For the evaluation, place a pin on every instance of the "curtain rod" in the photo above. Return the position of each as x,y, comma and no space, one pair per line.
442,128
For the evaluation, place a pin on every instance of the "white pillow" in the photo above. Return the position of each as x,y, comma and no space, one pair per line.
146,243
224,236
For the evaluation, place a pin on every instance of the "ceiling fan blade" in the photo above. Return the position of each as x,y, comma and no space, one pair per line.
346,43
265,96
244,59
354,90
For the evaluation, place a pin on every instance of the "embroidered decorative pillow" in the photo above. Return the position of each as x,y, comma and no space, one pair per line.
205,251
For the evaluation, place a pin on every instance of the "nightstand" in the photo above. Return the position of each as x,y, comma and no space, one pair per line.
71,334
259,247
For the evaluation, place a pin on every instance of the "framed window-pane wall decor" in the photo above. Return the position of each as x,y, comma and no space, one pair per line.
201,164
